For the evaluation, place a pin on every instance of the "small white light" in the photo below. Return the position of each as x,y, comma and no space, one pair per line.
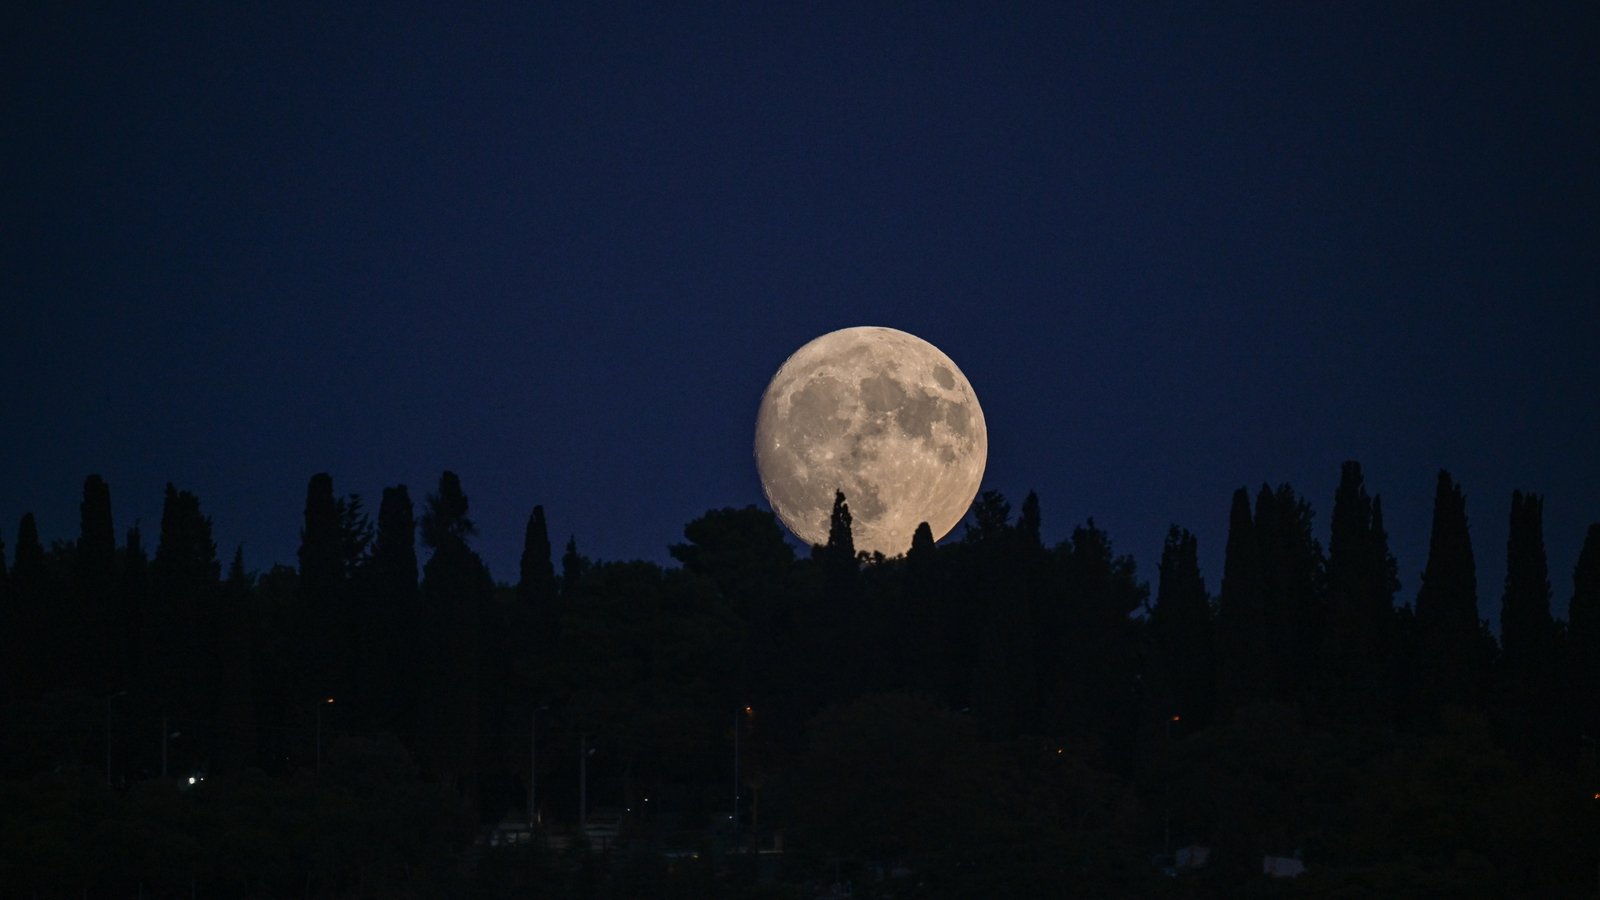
191,779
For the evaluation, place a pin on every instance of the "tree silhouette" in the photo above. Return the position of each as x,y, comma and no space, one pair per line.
181,658
573,567
1527,632
991,518
537,586
1181,630
1241,625
87,617
1028,521
1358,637
456,590
922,544
1447,609
97,541
841,546
391,615
27,567
1525,689
321,551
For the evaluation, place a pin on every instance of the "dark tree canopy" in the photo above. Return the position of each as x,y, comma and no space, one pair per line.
1003,716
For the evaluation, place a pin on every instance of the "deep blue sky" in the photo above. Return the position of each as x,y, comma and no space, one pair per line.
560,249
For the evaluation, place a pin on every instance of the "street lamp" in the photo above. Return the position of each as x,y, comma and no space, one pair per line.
165,735
738,721
584,752
533,765
328,702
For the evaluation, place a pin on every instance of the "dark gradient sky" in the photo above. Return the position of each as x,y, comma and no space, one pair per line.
561,248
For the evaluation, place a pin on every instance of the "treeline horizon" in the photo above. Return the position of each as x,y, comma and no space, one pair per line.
994,710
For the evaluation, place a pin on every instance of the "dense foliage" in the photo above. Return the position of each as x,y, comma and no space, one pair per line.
997,716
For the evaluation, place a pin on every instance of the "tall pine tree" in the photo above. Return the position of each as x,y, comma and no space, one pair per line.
1358,635
456,592
1181,631
1527,632
1449,673
92,611
390,617
1241,628
182,657
1525,689
537,586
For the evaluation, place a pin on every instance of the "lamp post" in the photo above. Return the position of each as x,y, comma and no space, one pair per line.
165,734
109,698
319,732
583,784
738,722
533,766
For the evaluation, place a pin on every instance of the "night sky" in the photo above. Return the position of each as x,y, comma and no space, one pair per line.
560,249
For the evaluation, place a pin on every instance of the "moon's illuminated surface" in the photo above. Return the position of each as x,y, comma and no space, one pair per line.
883,416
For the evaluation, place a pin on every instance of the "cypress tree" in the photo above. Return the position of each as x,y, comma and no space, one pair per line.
1525,706
456,592
133,597
34,653
185,575
1358,637
1181,629
27,567
97,541
1447,609
1239,609
236,717
185,566
537,586
322,548
1527,632
1028,521
573,565
841,543
922,544
395,632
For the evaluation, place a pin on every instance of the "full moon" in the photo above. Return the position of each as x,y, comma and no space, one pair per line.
881,415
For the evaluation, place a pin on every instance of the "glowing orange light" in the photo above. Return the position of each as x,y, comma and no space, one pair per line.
748,710
330,699
1177,718
1060,751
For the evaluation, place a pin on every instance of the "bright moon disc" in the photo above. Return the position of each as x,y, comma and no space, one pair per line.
881,415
